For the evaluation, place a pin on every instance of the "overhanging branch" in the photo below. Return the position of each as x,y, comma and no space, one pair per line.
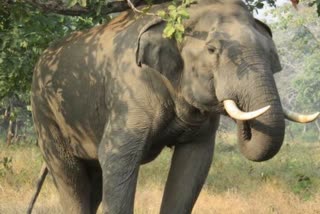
57,6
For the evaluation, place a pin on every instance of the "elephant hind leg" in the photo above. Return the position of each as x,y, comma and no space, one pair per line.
94,173
73,186
69,173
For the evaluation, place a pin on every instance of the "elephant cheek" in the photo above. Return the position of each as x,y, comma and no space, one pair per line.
203,93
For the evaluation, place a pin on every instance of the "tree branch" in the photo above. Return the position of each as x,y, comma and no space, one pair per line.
58,7
132,6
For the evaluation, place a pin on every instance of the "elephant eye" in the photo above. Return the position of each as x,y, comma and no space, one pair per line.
211,49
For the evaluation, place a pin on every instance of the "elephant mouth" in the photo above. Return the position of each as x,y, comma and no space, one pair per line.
245,130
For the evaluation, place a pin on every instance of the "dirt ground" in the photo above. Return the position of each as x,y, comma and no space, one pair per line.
267,200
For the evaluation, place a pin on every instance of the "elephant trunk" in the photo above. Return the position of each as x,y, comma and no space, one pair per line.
261,138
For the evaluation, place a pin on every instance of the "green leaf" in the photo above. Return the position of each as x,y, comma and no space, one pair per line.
29,107
259,5
145,9
83,3
172,7
183,13
179,20
178,36
179,27
162,14
173,14
24,44
169,30
71,3
188,2
98,9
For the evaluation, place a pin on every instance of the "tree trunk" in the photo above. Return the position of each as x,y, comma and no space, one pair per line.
318,127
305,128
10,134
15,133
290,133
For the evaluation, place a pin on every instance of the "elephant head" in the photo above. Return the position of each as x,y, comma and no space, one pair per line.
225,63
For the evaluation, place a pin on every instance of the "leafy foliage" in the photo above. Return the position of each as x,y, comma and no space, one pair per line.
174,18
308,84
304,54
84,3
25,32
297,35
317,3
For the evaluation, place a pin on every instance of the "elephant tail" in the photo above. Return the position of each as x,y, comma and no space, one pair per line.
42,175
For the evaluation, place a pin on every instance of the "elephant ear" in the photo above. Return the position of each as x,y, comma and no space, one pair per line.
157,52
274,58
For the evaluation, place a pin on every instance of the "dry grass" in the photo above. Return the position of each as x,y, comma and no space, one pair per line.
16,201
268,199
272,195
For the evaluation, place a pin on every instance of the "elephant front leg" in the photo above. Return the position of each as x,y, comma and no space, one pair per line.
189,169
119,156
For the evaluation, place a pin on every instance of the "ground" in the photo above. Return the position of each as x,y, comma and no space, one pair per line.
289,183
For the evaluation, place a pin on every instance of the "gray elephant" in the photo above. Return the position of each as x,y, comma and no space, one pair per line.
109,99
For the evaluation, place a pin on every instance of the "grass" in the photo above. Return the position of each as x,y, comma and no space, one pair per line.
289,183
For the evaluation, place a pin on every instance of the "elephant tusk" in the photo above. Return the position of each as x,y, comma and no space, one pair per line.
300,118
234,112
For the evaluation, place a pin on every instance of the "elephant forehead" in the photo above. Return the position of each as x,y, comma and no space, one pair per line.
210,17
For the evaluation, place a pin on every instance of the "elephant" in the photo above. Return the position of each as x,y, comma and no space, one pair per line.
109,99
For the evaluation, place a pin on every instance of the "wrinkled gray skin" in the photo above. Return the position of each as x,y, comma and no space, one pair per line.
111,98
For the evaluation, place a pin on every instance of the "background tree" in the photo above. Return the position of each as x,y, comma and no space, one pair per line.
297,36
